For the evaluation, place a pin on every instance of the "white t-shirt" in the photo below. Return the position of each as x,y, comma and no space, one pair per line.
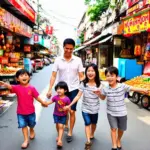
68,71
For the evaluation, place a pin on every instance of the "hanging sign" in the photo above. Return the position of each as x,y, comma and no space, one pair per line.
137,24
27,48
24,8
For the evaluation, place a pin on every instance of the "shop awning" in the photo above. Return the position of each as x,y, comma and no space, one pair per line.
80,48
105,32
105,40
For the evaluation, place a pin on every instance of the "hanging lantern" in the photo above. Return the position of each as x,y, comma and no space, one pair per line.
137,50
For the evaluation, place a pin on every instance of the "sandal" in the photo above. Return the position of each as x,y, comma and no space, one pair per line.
32,138
25,145
88,145
66,129
69,138
59,145
92,138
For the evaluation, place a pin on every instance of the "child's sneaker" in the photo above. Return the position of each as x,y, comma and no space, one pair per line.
88,145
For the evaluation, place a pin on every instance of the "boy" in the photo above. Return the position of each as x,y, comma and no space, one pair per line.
116,107
25,109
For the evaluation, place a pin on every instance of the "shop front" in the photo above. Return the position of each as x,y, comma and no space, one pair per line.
134,46
137,28
13,32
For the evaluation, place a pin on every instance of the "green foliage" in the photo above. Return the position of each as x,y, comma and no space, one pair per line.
96,10
77,46
82,37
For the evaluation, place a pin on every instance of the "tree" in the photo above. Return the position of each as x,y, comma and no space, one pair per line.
96,8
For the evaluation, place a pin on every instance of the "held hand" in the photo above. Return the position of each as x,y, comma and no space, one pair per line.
97,92
66,108
49,94
2,83
44,104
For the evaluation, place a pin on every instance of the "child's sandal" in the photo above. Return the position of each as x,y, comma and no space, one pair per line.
59,145
25,145
88,145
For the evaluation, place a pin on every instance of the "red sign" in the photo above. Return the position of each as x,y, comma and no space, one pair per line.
4,60
24,8
138,6
132,2
49,30
27,48
36,38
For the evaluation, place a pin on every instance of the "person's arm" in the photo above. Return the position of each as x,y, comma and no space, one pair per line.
43,103
74,100
53,77
52,81
145,91
81,76
100,92
7,85
50,102
81,71
130,88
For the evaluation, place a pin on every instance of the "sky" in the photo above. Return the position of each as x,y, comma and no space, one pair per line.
64,15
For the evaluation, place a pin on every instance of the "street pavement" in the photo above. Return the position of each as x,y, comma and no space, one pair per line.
137,137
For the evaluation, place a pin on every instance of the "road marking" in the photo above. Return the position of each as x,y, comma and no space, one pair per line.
38,107
145,119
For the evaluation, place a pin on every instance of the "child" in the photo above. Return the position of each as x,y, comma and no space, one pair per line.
90,102
60,115
25,109
116,107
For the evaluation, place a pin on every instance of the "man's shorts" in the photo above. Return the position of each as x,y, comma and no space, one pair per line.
26,120
117,122
60,119
72,95
90,118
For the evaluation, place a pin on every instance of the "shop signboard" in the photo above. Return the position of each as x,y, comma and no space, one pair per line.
24,8
137,24
15,25
27,48
138,6
132,2
49,30
36,38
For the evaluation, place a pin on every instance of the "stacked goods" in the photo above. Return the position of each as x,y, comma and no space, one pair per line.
140,82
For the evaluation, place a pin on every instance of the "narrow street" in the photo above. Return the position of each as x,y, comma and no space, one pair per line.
137,136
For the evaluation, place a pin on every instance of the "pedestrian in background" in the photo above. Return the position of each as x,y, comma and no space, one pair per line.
116,107
60,115
25,109
70,70
90,102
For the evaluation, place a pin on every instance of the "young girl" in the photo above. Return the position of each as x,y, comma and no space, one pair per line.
60,115
25,109
90,103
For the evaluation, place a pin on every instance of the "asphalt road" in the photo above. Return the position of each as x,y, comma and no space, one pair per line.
137,137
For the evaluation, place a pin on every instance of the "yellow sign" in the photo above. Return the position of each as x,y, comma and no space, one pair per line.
137,24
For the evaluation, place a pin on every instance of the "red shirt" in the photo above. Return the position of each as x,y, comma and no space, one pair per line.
25,97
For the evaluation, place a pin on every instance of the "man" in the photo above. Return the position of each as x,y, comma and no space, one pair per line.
70,70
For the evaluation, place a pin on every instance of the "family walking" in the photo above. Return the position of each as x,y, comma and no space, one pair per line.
73,83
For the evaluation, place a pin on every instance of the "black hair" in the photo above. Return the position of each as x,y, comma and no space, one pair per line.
97,78
69,41
111,70
62,85
21,72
